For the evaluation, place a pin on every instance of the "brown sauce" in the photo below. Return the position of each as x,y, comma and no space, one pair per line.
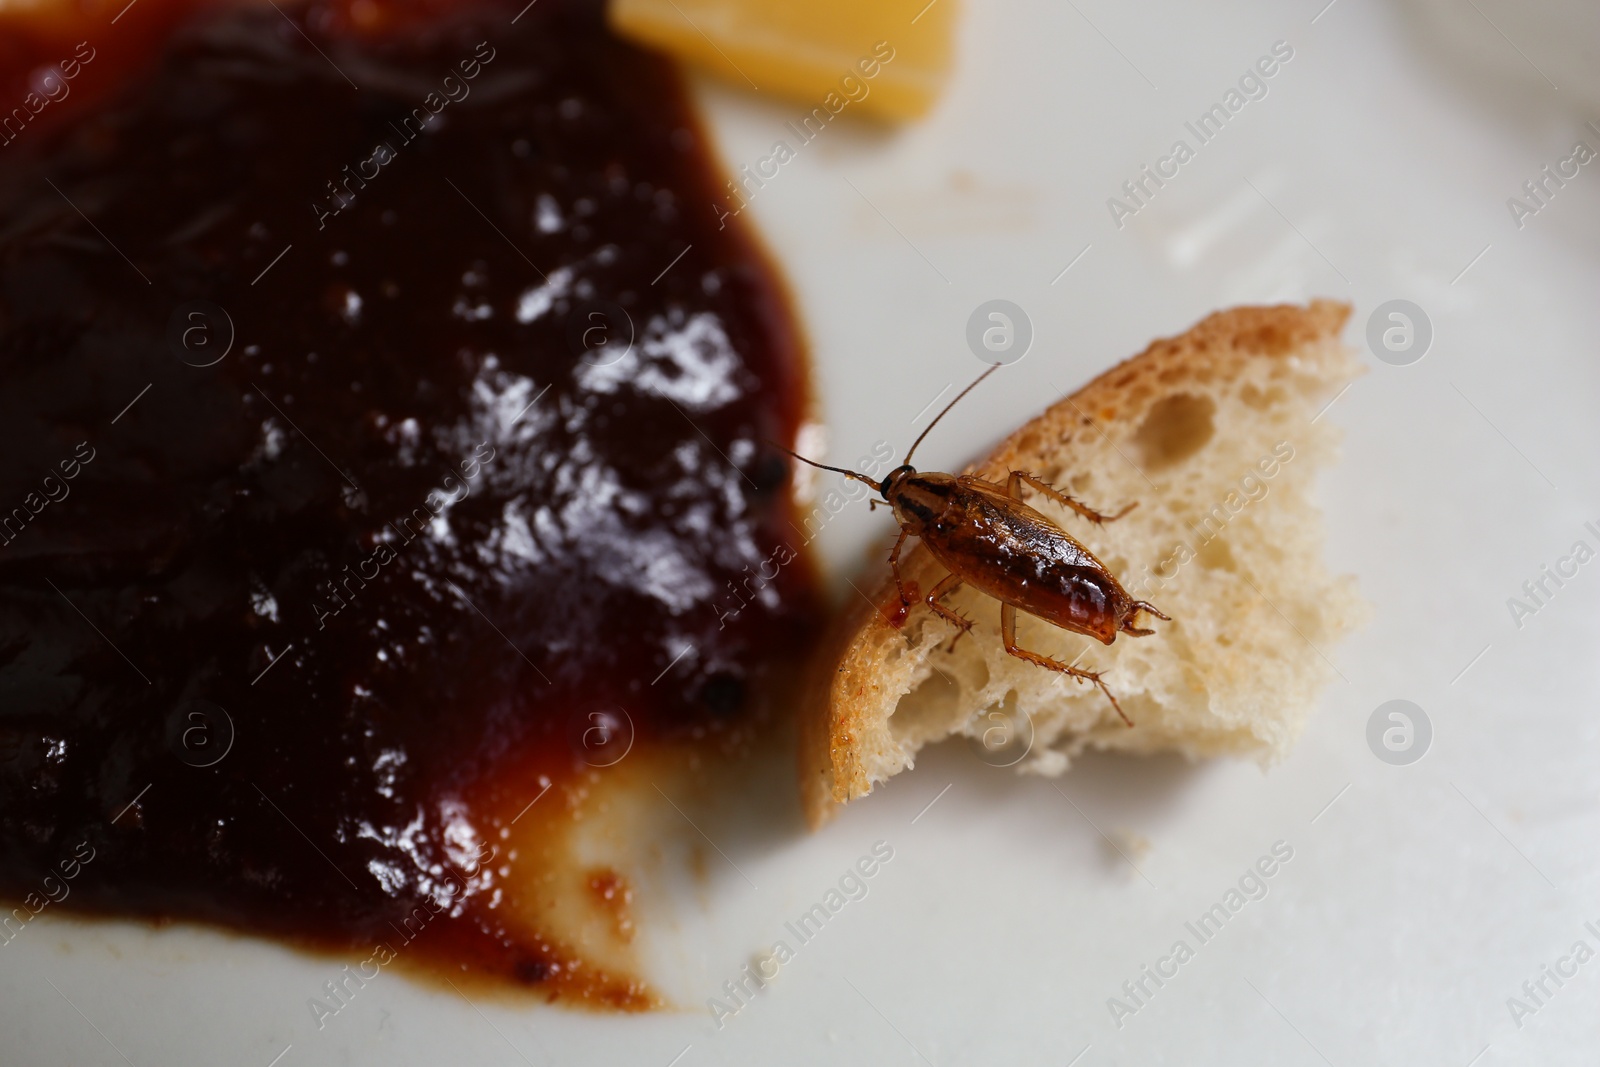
339,521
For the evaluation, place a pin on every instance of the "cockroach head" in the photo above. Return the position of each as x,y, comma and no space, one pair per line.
894,478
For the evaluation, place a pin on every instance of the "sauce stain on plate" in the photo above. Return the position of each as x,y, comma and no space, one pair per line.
382,486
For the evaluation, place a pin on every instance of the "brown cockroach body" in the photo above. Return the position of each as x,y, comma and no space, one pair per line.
987,537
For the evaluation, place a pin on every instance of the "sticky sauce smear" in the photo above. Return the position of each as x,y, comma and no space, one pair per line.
383,501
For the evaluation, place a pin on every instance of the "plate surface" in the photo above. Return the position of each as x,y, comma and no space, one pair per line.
1374,165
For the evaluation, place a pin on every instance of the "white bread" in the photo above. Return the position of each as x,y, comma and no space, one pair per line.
1216,435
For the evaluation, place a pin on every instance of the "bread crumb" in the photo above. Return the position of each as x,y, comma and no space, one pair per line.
1129,845
766,964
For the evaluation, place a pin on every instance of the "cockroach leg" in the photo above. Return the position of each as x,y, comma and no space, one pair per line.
894,566
1008,637
947,585
1014,487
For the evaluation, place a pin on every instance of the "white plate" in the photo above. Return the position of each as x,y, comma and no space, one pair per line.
1419,898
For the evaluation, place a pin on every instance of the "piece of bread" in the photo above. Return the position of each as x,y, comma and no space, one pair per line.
1216,435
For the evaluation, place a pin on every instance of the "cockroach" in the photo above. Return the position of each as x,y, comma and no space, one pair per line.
988,537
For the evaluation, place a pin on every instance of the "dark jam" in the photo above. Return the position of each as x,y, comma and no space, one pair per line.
382,413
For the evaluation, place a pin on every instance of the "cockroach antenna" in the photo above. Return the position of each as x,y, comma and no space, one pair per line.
823,466
907,463
946,411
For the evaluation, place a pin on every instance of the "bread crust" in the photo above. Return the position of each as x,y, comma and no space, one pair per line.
844,694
